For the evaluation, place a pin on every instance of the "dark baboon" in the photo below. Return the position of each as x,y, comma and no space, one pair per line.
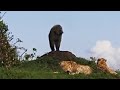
55,36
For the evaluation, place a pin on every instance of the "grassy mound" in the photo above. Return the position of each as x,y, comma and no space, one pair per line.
45,66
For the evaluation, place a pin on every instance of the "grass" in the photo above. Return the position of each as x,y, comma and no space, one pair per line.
44,68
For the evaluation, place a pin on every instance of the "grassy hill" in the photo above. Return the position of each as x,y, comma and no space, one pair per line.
45,66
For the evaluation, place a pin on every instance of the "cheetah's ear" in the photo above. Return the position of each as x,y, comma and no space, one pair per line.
105,60
99,59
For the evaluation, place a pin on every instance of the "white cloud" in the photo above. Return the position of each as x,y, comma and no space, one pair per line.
105,49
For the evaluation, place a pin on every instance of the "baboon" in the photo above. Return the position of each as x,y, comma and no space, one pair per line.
55,36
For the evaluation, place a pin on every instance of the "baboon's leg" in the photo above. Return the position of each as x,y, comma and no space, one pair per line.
57,44
52,46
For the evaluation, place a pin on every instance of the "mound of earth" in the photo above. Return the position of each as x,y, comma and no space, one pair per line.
51,60
60,55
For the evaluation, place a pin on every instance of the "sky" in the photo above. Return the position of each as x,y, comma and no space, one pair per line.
86,33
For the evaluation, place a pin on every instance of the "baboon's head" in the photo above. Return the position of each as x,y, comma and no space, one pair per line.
58,29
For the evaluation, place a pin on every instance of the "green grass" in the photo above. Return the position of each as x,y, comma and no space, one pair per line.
43,68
